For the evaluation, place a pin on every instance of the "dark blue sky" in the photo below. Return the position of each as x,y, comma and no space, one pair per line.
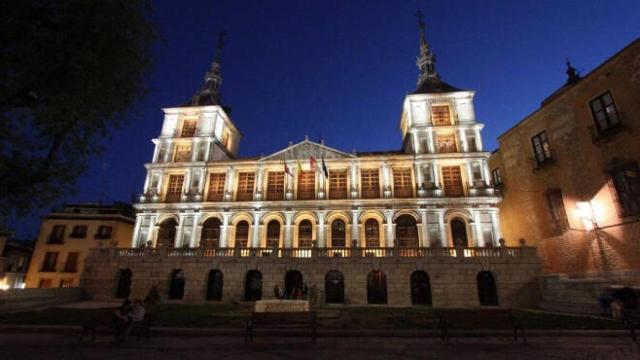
342,68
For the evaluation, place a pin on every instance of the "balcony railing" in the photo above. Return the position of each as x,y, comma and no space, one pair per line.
336,252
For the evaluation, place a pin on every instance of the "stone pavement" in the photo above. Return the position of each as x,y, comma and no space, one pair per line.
46,346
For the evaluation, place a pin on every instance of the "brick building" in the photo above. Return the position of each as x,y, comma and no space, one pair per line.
569,174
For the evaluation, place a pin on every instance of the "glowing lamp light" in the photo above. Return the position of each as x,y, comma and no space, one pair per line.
587,214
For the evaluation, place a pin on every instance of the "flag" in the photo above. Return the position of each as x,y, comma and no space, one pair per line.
286,168
313,164
324,169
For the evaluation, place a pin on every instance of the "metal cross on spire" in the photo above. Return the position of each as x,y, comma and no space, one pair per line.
221,36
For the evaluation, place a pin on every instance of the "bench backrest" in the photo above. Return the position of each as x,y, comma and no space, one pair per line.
274,318
479,319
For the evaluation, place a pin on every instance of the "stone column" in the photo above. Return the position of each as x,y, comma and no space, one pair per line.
288,227
478,139
354,183
419,176
477,228
430,141
169,152
156,150
321,239
224,230
355,214
424,229
197,229
443,228
486,172
147,180
255,241
178,240
467,165
463,140
435,169
388,214
416,143
259,176
495,223
136,231
229,183
152,228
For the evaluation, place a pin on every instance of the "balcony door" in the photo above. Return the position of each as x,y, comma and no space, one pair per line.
452,180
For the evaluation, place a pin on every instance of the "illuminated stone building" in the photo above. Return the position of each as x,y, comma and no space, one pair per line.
569,173
375,225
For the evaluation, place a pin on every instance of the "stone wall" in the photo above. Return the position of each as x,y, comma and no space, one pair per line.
559,293
22,299
453,279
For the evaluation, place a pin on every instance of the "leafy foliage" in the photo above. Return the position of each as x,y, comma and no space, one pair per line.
69,73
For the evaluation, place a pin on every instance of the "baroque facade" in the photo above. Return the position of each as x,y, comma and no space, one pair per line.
569,174
434,192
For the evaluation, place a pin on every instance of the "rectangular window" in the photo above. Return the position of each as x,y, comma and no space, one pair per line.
604,112
174,189
50,260
338,184
541,148
625,184
216,187
225,140
188,128
104,232
557,210
275,185
57,235
446,143
370,183
45,283
496,176
452,180
79,232
72,262
246,181
306,185
66,283
402,187
440,115
182,153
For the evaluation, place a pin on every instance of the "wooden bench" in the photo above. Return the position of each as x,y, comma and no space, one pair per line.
474,319
631,318
282,320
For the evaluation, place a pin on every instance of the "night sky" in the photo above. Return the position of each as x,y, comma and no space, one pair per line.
340,70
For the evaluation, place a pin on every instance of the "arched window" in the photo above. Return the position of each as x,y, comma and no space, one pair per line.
305,233
176,287
459,232
214,285
124,284
420,288
334,287
293,283
211,233
338,233
273,234
376,287
407,231
372,233
253,286
167,233
242,233
487,292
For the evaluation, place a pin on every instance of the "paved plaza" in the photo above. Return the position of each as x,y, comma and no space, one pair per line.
46,346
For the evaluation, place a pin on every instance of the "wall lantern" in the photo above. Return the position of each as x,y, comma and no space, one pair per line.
585,212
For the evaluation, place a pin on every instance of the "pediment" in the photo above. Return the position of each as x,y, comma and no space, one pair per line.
306,149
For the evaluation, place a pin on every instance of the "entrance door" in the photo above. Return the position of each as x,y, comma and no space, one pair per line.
487,292
459,233
176,288
253,286
292,281
420,288
334,287
376,287
124,284
214,285
452,180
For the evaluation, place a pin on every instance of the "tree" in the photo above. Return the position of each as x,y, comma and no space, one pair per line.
69,73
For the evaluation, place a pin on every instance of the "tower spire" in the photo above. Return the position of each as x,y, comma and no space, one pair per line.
426,61
209,94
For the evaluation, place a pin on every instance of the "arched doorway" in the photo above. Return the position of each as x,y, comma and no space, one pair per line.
372,233
167,233
407,231
214,285
124,284
338,233
487,292
242,233
176,287
211,233
292,281
253,286
305,234
459,233
334,287
376,287
420,288
273,234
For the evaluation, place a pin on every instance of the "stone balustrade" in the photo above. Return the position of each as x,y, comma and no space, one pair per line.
419,252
